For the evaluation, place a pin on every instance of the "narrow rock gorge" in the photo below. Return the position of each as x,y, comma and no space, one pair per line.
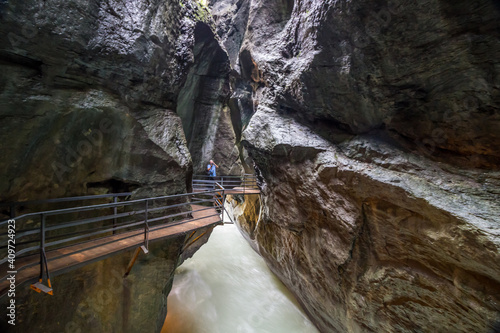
373,128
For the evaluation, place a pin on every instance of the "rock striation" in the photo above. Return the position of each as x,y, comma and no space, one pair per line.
373,127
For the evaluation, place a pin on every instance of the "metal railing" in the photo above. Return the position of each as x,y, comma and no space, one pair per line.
241,183
42,231
223,185
219,195
83,220
28,205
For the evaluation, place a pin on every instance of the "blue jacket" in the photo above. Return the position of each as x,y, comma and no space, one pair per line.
211,172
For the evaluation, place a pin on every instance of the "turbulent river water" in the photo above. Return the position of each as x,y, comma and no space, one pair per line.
226,287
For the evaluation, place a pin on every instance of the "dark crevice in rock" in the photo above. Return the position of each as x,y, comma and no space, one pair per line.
203,105
114,185
231,22
355,241
236,119
249,69
13,58
286,9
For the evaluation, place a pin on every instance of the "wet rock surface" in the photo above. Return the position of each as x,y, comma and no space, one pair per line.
370,248
373,129
87,87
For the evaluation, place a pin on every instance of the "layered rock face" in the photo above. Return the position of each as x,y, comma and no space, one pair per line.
374,129
89,90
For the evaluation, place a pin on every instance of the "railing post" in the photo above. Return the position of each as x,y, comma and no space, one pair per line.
223,203
39,287
115,211
42,234
42,244
146,226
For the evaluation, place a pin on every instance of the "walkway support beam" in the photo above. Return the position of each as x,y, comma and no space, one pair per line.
133,259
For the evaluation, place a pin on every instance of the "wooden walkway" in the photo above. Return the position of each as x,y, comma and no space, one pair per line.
75,256
232,191
239,190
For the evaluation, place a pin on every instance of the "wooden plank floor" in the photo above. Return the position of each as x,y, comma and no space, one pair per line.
236,190
239,190
78,255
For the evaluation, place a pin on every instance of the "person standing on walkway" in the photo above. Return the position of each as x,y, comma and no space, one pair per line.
211,169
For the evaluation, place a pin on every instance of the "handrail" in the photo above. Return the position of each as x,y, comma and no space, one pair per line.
245,182
66,199
108,205
12,205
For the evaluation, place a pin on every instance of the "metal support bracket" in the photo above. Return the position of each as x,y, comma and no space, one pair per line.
39,286
44,267
134,258
192,242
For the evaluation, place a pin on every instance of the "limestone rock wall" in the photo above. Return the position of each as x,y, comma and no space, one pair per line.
88,94
370,247
373,129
